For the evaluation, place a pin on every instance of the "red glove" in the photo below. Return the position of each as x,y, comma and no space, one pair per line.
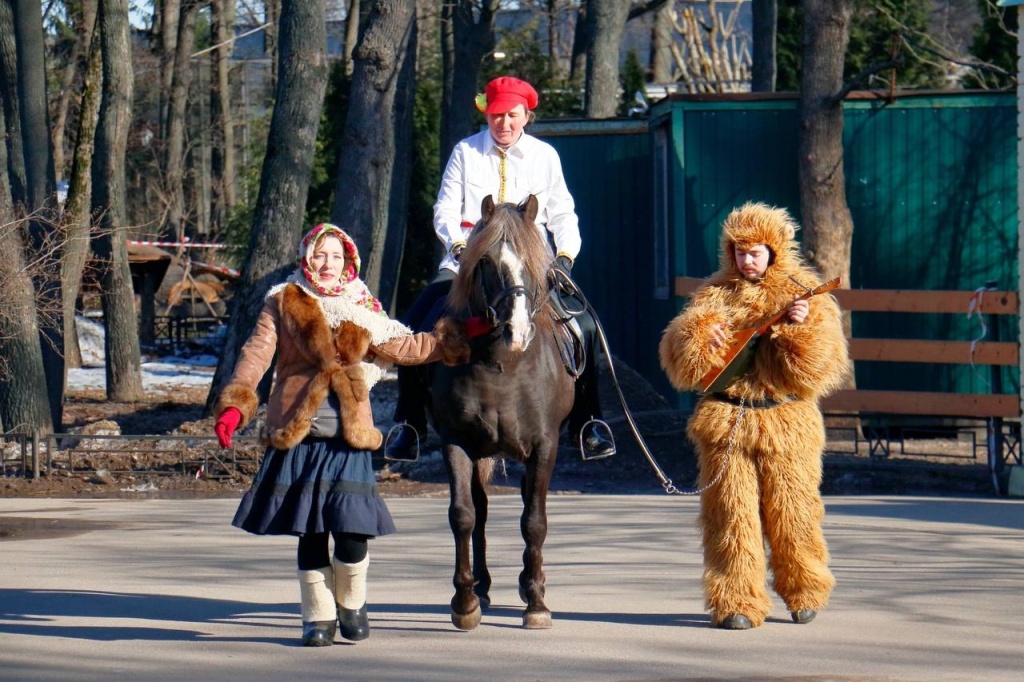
226,425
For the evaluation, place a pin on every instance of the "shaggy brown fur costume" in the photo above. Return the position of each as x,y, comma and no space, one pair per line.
770,457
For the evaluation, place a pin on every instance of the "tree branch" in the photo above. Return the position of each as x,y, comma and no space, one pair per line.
861,77
644,7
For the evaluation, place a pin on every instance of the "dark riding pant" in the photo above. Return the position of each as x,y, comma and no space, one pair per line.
421,316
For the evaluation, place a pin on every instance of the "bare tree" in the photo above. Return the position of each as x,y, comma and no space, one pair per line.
351,34
11,104
24,403
222,159
605,23
287,169
174,149
39,195
467,36
84,21
170,11
766,16
77,217
606,19
709,57
124,375
661,44
366,165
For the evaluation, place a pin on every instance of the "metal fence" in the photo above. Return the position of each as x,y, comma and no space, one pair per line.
33,456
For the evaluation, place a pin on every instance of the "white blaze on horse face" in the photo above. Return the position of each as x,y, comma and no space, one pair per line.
519,324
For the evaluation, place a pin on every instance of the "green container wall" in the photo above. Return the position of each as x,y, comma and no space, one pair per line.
608,170
931,183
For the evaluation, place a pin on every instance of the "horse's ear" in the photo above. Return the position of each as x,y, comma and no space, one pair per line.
487,207
531,207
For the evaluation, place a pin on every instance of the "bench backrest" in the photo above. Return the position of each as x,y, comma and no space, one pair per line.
989,353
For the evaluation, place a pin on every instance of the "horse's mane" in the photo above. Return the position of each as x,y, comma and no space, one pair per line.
510,224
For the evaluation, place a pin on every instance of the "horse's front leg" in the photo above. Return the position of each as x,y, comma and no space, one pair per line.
534,526
461,518
481,574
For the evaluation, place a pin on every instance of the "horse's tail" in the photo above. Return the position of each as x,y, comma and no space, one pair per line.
485,469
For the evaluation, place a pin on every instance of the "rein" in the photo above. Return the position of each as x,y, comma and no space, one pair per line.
564,285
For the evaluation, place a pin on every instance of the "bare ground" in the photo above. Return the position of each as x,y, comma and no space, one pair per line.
174,454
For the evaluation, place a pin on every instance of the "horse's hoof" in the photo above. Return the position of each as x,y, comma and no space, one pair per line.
537,620
467,621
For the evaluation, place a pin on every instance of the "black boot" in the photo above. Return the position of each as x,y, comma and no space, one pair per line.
354,625
595,443
319,633
404,447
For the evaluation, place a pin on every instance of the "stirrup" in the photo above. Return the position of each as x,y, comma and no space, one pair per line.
608,432
397,429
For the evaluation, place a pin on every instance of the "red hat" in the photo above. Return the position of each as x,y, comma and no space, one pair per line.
505,92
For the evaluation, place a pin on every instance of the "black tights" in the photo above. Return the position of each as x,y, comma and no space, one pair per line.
349,548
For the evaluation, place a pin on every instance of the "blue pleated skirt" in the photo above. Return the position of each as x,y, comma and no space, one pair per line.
315,487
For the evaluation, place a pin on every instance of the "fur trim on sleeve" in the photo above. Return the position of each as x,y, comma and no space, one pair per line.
243,399
808,360
685,348
451,341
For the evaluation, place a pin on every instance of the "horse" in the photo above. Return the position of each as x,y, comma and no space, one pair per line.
509,401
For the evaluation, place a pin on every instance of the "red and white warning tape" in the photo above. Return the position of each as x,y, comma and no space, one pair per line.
186,244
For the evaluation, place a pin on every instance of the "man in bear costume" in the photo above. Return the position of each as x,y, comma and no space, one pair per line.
759,440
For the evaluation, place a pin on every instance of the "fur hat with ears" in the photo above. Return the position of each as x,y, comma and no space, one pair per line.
756,223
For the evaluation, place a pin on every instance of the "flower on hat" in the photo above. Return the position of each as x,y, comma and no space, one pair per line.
481,102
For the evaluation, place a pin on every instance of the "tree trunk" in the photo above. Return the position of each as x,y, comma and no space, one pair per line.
170,11
85,22
287,170
46,244
580,43
271,36
766,16
124,375
661,45
376,111
12,106
351,35
77,217
24,403
174,151
222,160
553,7
467,37
607,19
827,223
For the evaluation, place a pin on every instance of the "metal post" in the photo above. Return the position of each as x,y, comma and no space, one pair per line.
35,455
994,439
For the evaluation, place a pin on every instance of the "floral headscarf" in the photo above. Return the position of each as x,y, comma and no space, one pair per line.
348,286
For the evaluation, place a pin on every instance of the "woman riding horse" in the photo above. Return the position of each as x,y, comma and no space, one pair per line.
509,401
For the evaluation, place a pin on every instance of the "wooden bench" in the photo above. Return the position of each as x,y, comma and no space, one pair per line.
875,406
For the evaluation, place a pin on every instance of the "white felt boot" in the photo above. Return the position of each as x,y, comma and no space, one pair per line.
319,619
350,592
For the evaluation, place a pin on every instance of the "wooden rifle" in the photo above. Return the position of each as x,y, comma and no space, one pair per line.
738,356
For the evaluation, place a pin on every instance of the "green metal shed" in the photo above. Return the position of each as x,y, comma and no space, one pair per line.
931,183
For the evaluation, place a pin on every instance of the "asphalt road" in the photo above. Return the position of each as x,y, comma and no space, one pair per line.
928,589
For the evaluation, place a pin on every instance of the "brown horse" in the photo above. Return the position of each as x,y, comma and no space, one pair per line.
509,401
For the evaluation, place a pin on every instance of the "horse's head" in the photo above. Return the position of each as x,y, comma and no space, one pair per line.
502,271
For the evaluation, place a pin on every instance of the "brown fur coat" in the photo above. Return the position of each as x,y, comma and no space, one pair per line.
313,359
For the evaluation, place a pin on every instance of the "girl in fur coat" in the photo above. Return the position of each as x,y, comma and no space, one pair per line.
759,441
332,342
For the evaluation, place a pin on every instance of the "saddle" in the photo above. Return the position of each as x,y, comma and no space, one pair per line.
568,337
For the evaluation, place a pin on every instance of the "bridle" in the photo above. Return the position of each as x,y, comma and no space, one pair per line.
500,304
